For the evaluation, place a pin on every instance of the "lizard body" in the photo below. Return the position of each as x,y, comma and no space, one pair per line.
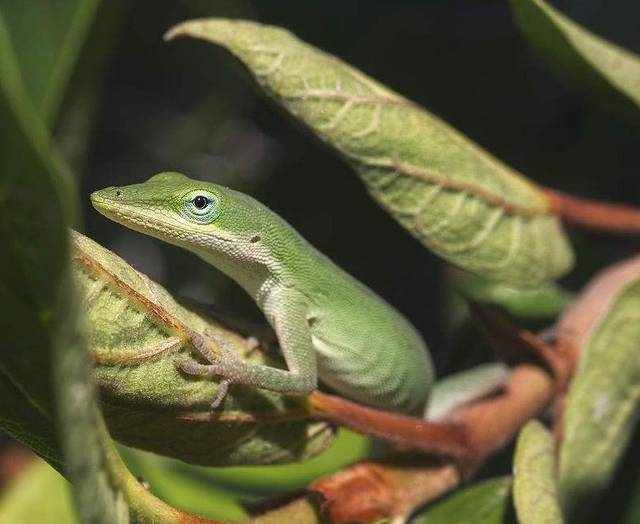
329,326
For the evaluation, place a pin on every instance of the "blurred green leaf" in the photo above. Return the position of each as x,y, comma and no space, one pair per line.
47,38
137,334
600,68
487,502
38,495
76,119
47,361
35,205
543,302
19,420
216,492
535,492
32,205
190,493
602,404
455,198
36,208
253,482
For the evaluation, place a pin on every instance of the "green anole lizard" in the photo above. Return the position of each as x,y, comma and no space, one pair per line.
329,326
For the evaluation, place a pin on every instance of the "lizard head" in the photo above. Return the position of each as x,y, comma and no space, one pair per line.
203,217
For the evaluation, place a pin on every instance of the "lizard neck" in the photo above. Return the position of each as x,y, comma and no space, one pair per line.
247,272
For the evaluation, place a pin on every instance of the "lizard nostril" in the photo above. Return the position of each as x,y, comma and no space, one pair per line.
118,192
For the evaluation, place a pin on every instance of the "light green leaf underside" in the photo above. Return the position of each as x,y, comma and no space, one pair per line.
455,198
486,502
535,492
542,302
603,400
588,61
136,334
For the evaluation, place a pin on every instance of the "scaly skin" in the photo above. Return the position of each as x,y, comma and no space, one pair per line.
329,325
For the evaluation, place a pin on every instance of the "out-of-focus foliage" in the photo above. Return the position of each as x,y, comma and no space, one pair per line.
543,302
36,205
47,39
488,502
601,69
535,492
602,404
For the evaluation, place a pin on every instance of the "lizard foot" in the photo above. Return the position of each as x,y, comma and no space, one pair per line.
222,362
192,367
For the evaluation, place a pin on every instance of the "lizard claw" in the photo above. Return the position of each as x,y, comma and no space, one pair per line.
221,394
194,368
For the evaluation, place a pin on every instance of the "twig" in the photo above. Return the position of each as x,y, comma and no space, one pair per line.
440,438
372,490
512,342
592,214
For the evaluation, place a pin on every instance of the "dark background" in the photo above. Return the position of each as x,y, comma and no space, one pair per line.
191,107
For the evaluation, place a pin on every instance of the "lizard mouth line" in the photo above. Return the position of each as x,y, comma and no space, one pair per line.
147,225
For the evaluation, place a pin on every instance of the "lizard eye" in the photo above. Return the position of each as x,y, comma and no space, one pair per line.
201,202
202,207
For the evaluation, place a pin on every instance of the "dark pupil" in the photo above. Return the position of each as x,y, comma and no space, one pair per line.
200,202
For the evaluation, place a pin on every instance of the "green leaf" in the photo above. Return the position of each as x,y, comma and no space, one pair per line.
19,420
41,323
39,494
250,482
602,404
193,493
600,68
35,205
46,362
486,502
47,38
455,198
36,63
137,334
543,302
535,492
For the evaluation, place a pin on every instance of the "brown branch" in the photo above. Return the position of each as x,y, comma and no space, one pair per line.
592,214
491,424
370,491
440,438
515,344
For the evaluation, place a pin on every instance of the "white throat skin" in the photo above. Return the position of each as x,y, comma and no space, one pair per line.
250,265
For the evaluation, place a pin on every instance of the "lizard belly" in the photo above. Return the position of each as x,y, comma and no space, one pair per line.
366,377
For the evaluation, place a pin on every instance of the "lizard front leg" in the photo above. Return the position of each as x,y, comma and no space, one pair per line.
288,312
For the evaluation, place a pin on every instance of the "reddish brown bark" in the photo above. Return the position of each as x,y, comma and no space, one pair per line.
592,214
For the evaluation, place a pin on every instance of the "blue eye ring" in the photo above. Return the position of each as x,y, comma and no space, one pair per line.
202,207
